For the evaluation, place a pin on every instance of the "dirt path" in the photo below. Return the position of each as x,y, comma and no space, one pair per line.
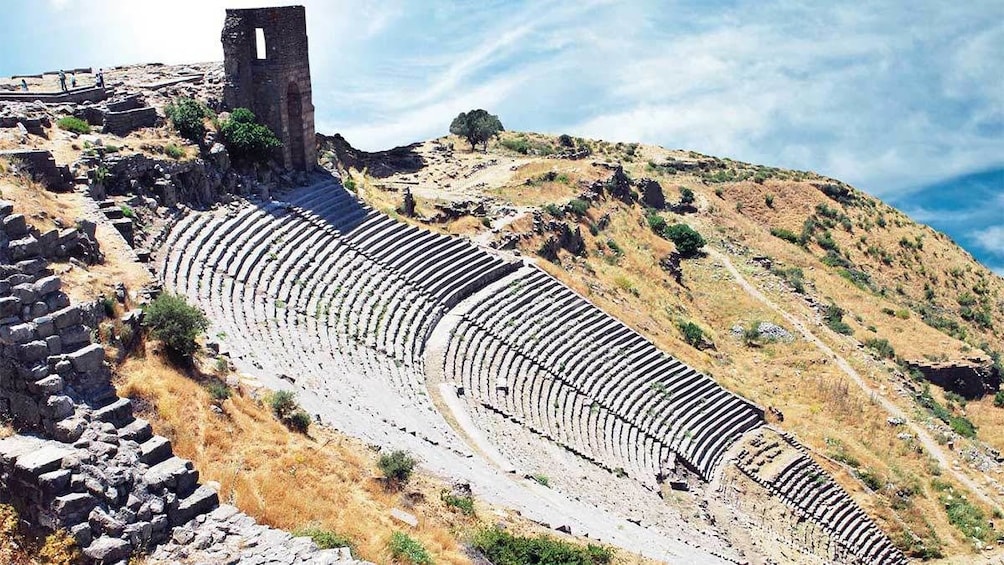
925,439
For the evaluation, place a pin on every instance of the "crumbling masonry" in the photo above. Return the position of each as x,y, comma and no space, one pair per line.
267,71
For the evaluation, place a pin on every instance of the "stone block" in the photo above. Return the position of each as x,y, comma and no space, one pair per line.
108,550
9,306
44,326
117,413
33,351
14,225
25,292
20,334
88,359
203,500
48,284
52,384
75,336
46,459
69,430
69,316
54,344
6,208
155,450
23,248
54,482
59,407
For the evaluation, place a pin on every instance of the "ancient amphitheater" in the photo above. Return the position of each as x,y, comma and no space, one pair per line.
480,361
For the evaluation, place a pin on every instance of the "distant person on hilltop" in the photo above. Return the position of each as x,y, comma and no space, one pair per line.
73,81
101,78
24,85
62,81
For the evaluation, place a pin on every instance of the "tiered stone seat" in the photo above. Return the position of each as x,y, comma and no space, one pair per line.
639,400
318,284
782,467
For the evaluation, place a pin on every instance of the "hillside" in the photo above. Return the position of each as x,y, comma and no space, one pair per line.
529,332
804,244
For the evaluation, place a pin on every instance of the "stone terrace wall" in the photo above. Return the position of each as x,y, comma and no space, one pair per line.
93,94
121,123
82,461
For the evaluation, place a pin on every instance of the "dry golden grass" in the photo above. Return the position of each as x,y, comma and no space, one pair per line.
283,479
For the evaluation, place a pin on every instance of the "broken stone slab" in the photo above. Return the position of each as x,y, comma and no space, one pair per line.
404,517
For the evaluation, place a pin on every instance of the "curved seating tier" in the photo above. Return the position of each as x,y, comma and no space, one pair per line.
541,353
319,286
782,466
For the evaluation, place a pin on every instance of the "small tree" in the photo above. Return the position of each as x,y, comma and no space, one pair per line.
686,196
396,466
188,116
688,242
285,407
246,139
476,126
175,322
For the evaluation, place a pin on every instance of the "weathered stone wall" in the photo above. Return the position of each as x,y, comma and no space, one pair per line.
277,88
92,94
121,123
42,166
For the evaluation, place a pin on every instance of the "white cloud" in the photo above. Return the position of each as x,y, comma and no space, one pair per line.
991,239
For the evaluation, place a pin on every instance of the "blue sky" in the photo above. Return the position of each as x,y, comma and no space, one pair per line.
903,100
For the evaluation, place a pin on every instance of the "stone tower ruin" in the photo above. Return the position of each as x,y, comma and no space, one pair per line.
267,71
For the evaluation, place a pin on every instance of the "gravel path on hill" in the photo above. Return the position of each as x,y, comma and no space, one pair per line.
925,439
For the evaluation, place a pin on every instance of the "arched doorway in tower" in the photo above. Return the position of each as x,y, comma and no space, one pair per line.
294,121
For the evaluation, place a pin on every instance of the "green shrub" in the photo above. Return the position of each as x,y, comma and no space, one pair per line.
73,125
298,421
787,235
541,479
554,210
793,275
881,346
463,503
324,539
246,139
870,478
219,391
686,196
287,410
999,399
503,548
768,200
406,549
283,403
688,242
188,116
578,206
396,466
692,333
349,184
964,515
127,211
833,316
173,151
657,223
519,145
176,323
